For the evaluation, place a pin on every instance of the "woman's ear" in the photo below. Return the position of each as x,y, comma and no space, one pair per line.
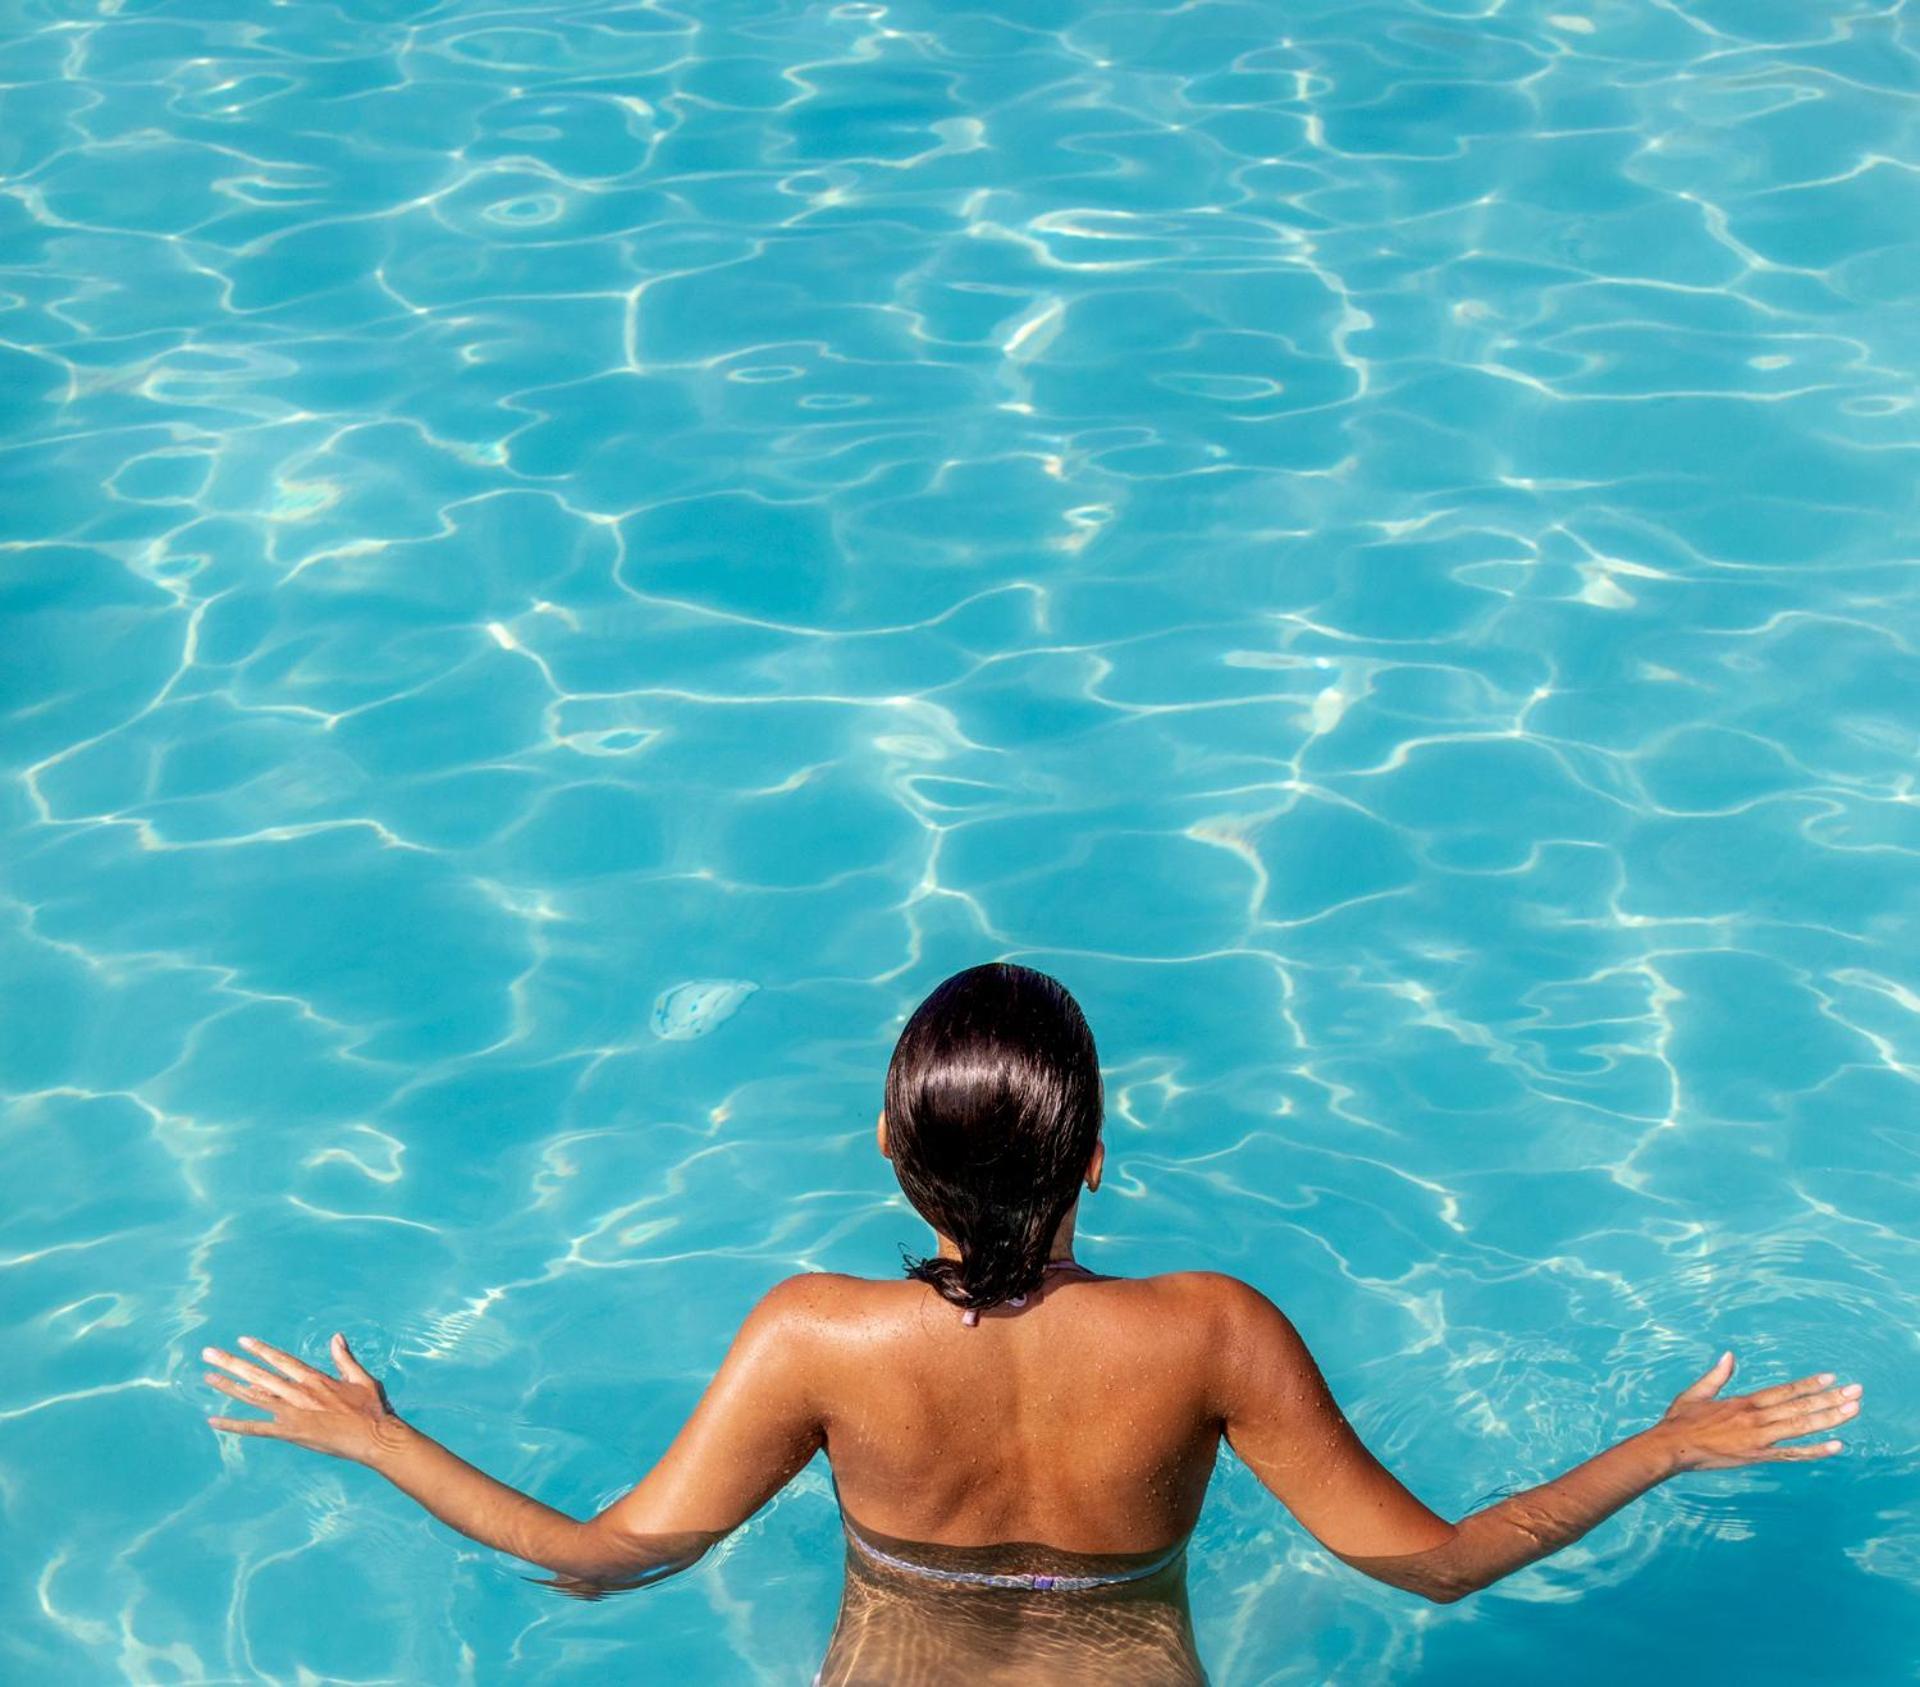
880,1134
1096,1164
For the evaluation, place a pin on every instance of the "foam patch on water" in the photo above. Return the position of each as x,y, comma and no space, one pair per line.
693,1009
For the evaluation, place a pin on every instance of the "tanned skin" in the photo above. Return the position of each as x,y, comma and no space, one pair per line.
1082,1427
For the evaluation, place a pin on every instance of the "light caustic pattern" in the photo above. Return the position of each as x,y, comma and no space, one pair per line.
565,563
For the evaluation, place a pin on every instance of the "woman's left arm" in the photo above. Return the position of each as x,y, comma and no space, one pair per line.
753,1430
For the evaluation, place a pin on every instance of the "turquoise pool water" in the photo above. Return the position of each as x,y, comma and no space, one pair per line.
565,563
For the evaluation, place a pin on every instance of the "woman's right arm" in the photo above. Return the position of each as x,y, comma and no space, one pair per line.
1281,1419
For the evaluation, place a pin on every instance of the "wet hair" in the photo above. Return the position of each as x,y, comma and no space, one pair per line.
993,1105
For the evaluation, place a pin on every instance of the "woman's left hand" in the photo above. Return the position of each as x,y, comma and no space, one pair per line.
347,1416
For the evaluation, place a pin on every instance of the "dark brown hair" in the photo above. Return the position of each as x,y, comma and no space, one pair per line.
993,1105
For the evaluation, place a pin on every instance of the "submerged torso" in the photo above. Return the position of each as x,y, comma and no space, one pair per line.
1073,1436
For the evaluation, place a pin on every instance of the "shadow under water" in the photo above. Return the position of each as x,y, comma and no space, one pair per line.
899,1626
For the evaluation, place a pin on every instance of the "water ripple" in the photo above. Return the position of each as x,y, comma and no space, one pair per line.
1370,540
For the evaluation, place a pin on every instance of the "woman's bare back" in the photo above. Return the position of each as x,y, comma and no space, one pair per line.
1072,1435
1085,1420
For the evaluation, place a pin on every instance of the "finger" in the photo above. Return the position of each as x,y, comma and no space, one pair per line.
274,1385
349,1367
1820,1402
1711,1381
244,1391
1784,1391
1812,1421
1819,1450
249,1426
285,1363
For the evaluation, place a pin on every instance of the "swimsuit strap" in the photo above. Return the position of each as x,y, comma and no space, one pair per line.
971,1316
1036,1584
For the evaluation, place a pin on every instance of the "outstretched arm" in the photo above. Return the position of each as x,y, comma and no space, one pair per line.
1281,1419
753,1430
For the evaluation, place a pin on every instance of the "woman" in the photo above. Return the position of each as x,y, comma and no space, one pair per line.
1020,1444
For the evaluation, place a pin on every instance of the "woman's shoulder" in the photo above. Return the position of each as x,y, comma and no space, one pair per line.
1209,1284
821,1296
1211,1295
1197,1319
812,1292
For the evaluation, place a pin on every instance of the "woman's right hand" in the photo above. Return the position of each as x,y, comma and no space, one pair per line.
1705,1432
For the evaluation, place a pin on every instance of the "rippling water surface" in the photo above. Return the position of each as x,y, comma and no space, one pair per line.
565,563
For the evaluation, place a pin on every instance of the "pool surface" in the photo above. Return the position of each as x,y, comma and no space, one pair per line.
564,564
